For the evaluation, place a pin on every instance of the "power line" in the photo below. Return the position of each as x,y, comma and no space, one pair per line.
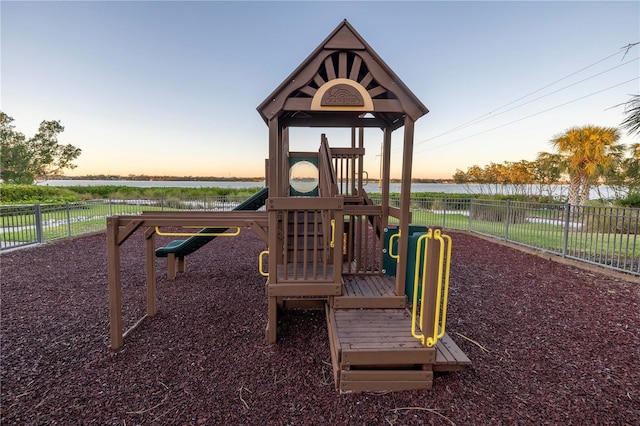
484,116
528,116
543,96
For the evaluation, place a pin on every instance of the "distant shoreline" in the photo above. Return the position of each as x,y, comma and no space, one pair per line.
206,179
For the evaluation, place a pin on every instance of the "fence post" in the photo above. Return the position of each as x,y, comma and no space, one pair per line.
38,217
444,213
565,239
507,217
68,219
470,214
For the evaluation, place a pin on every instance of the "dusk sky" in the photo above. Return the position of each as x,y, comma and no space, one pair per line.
171,88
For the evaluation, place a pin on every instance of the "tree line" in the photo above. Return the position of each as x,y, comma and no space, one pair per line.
586,156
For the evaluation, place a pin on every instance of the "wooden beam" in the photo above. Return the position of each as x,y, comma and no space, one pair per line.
307,203
355,68
308,90
368,78
342,65
152,307
412,108
129,229
336,119
405,203
328,65
363,210
274,140
386,176
379,106
382,356
171,266
377,91
304,303
305,289
318,80
347,151
115,288
259,231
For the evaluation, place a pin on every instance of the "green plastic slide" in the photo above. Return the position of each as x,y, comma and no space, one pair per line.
182,248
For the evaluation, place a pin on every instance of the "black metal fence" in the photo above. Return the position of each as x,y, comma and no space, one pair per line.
23,225
604,236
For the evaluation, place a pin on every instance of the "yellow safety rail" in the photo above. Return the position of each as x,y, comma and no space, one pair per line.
442,294
262,253
197,234
394,256
332,244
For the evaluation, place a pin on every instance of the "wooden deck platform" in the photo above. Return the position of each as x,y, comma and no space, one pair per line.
368,291
373,350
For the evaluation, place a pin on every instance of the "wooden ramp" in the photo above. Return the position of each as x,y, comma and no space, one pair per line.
372,348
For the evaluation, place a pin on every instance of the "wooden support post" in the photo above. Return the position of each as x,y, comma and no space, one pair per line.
115,289
360,161
431,285
182,264
151,272
405,202
386,175
171,266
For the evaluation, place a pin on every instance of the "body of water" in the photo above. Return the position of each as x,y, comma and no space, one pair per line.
446,188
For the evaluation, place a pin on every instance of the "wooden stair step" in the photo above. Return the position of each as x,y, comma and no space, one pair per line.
384,380
449,357
369,291
373,350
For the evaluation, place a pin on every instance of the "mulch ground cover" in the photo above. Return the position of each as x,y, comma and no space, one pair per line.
550,344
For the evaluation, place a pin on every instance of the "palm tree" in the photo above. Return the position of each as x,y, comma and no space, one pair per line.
587,152
632,121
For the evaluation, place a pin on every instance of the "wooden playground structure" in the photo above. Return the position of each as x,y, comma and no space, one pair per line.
328,245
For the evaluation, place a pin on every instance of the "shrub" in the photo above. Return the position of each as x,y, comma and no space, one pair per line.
35,194
497,213
632,200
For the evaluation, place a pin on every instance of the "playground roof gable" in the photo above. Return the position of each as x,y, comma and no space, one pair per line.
342,83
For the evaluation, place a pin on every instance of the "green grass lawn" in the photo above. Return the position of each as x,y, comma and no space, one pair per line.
543,229
58,221
546,236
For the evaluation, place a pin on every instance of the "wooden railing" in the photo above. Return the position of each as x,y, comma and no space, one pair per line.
311,229
347,163
363,245
328,181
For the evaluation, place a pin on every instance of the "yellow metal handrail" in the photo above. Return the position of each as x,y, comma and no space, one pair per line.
416,285
262,253
394,256
197,234
442,294
332,244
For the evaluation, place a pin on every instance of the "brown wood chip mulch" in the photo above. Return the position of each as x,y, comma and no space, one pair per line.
555,344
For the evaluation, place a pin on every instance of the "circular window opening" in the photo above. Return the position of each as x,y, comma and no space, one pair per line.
303,177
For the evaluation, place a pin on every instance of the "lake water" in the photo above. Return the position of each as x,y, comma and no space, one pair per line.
446,188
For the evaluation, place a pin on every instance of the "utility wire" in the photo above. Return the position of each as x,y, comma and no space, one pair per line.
477,119
539,97
528,116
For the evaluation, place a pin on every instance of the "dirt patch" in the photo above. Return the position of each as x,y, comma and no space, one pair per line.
559,345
